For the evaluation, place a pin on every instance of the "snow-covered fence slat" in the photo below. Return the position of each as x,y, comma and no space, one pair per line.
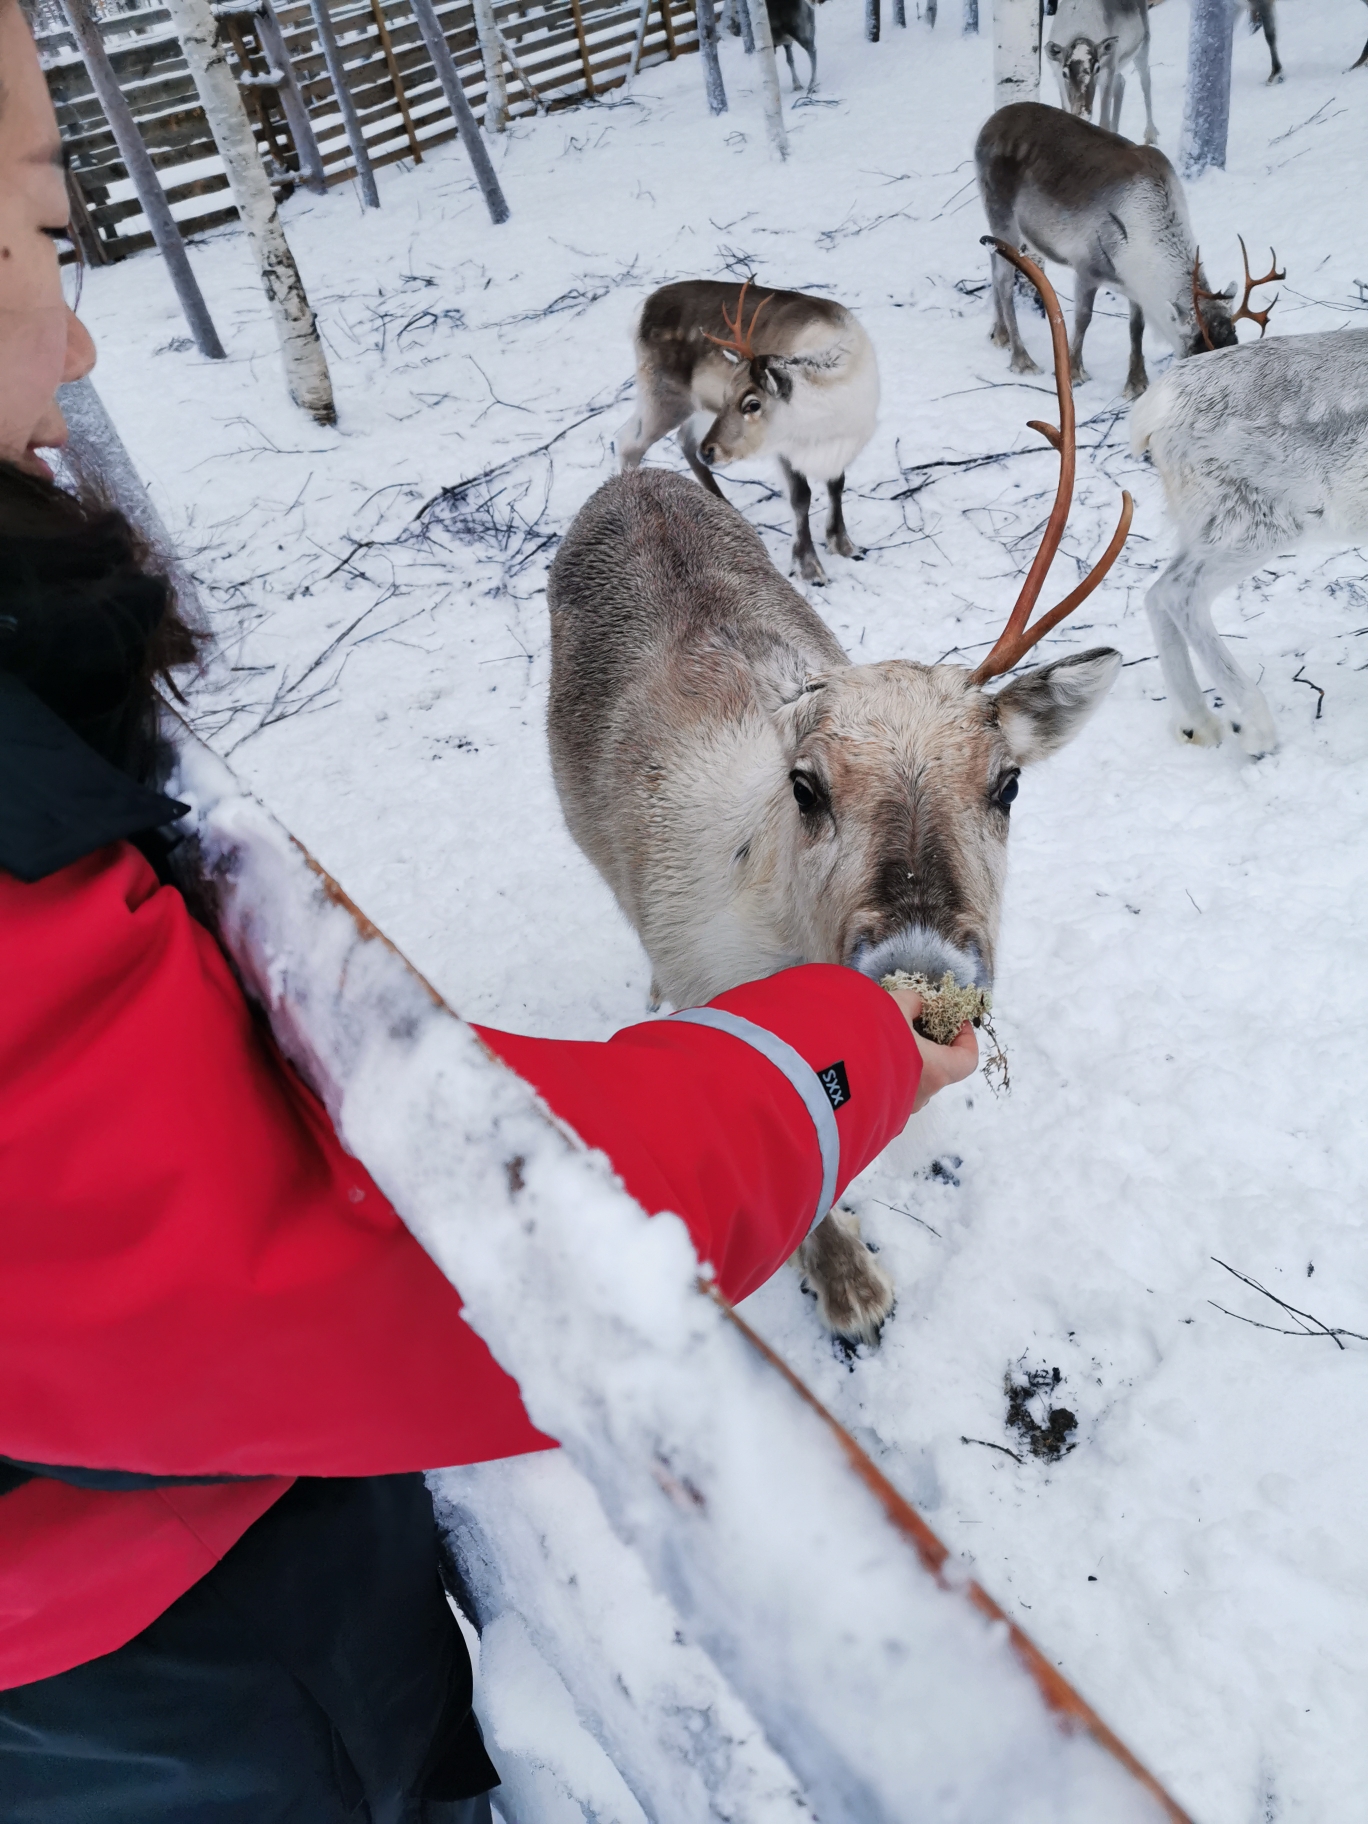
891,1695
570,50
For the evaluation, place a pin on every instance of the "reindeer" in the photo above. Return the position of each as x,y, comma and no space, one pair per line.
1261,449
1088,44
1114,212
791,22
807,393
754,800
1261,20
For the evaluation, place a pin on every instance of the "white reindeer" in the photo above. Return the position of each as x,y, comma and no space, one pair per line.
1115,213
754,800
1262,450
803,388
1089,42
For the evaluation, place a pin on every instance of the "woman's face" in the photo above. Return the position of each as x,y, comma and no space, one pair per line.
41,342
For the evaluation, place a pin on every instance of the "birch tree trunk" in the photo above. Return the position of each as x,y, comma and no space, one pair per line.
306,367
291,98
769,76
466,124
138,163
971,20
1016,51
707,46
496,91
873,23
356,139
1206,107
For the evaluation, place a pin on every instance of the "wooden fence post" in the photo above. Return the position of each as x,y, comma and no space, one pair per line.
387,46
468,127
356,139
306,367
769,75
138,163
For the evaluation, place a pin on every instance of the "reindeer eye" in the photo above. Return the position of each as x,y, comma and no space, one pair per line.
750,406
1008,790
803,794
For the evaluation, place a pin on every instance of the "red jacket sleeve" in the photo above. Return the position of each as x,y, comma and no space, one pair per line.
196,1278
700,1122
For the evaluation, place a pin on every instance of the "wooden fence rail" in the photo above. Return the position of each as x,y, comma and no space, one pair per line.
570,50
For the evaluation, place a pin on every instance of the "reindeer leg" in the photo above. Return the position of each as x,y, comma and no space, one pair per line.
1270,32
793,67
1005,331
1084,296
805,558
1166,605
837,538
689,444
1137,379
1250,716
854,1293
657,414
1142,66
1116,88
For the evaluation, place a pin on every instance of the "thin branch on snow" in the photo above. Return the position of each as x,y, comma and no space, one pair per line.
1307,1325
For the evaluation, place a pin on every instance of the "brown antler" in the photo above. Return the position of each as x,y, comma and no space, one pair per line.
1270,277
1017,638
741,340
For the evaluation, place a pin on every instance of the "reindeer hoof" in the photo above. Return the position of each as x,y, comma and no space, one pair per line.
998,336
1151,138
1023,364
854,1293
1080,376
1205,730
808,565
844,546
1255,730
1136,385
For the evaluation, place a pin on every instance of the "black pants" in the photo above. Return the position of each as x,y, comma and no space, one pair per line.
315,1676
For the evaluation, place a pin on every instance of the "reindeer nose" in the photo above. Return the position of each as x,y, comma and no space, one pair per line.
708,452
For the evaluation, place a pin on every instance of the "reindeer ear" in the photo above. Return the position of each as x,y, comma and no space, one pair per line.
1055,50
727,355
771,380
1106,48
1043,709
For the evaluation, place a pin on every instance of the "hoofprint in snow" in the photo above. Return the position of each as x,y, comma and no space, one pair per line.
1179,986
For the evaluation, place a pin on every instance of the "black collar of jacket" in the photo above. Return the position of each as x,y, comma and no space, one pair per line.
59,799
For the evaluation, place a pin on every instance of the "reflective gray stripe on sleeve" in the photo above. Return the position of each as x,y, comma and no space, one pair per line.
803,1078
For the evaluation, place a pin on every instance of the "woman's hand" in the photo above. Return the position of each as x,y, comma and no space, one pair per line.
941,1064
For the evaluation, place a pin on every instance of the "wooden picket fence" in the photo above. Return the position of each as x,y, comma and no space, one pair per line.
571,50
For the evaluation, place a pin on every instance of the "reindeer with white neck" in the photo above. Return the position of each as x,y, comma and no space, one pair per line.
1089,43
803,389
1262,450
754,800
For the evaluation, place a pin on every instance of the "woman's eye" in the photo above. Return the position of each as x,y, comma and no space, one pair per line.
1008,790
803,795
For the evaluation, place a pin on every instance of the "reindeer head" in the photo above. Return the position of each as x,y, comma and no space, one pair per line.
1214,327
1078,66
899,778
897,803
759,388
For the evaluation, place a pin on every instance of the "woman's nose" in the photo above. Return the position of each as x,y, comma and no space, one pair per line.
80,350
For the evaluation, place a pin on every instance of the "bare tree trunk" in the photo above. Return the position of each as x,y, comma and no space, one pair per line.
873,24
291,98
707,45
900,12
971,20
356,139
496,92
306,367
769,76
741,13
466,124
138,163
635,62
96,453
1016,51
1206,107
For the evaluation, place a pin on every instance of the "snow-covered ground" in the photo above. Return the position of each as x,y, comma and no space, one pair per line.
1179,986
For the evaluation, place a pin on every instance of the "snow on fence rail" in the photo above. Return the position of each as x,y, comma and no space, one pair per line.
569,50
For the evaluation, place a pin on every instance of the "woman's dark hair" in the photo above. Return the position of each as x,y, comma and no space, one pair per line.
87,618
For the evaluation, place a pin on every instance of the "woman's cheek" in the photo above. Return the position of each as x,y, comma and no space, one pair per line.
33,346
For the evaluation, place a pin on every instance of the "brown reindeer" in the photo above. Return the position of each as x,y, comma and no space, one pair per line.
803,387
754,800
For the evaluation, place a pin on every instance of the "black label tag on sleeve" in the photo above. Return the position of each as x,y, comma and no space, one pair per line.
836,1084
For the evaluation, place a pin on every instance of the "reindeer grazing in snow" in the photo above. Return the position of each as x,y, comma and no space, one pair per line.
1261,449
804,388
1089,42
1113,211
754,800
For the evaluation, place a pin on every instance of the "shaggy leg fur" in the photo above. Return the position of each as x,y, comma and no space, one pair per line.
1084,298
1179,607
805,558
1137,380
837,538
853,1291
1005,331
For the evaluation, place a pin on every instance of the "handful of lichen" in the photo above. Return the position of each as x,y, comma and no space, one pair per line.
946,1005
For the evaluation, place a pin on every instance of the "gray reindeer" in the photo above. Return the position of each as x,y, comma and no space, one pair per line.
1089,43
754,800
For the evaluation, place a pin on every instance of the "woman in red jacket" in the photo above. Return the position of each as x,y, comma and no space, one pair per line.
223,1360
